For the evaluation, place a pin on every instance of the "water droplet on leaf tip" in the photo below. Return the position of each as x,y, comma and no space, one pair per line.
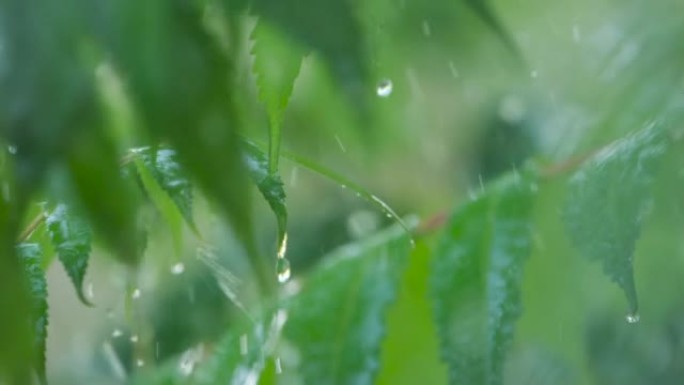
384,88
632,318
178,268
283,270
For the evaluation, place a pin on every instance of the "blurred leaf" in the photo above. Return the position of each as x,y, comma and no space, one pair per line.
412,357
180,79
270,186
163,202
30,256
276,66
337,321
329,28
608,200
15,334
71,238
488,16
476,278
104,194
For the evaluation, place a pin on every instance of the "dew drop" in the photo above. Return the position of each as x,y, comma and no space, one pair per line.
384,88
178,268
117,333
632,318
136,294
283,270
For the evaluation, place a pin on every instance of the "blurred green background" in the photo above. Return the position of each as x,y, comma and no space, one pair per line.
463,108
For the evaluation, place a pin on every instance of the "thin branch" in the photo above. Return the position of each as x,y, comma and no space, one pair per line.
35,223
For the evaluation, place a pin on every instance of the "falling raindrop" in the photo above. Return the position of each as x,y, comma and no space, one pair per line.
117,333
339,143
632,318
178,268
426,29
576,35
278,366
283,270
136,294
453,69
384,88
244,345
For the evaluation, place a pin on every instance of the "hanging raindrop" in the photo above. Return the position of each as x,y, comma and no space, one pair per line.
632,318
283,269
384,88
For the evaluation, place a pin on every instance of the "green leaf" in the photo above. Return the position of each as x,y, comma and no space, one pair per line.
412,358
488,16
71,238
476,278
337,321
104,195
181,80
169,174
30,256
608,200
163,202
276,66
329,28
270,186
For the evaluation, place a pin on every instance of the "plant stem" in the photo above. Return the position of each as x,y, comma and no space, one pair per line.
35,223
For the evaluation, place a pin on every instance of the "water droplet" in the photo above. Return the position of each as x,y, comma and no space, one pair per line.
385,88
135,338
283,270
453,69
632,318
426,29
244,345
512,109
282,248
140,363
339,143
90,292
178,268
117,333
576,35
278,366
136,294
12,149
187,362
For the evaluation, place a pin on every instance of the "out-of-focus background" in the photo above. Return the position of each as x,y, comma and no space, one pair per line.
452,106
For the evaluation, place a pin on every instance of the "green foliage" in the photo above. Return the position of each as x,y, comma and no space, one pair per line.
337,322
608,200
117,112
30,256
476,278
71,239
